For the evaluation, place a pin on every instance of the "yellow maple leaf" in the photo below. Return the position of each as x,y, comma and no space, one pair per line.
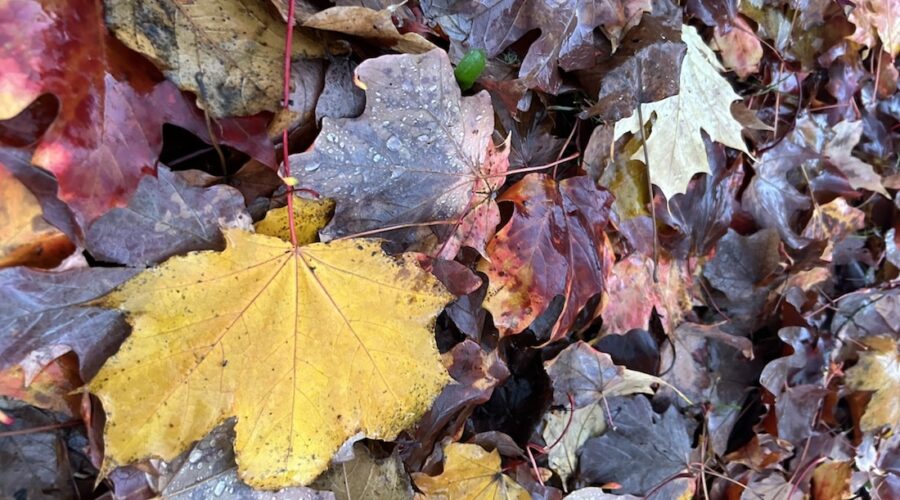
878,370
309,217
470,473
306,347
675,146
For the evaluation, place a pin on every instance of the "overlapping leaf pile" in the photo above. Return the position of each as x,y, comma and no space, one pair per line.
653,252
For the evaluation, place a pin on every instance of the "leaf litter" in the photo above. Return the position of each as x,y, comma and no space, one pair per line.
534,319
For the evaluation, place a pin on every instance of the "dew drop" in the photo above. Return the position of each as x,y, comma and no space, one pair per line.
219,489
393,143
195,456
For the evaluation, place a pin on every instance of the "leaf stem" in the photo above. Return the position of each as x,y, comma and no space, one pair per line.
42,428
650,192
288,45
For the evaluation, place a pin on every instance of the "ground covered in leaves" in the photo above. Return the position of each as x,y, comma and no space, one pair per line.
454,249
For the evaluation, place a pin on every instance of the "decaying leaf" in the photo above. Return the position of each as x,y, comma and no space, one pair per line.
414,155
878,370
470,473
375,25
166,217
589,376
675,145
578,426
366,477
224,51
26,239
554,245
285,340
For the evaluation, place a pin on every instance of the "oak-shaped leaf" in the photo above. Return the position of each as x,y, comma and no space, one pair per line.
552,246
284,339
588,376
166,217
224,51
470,473
108,132
675,146
26,239
414,155
647,447
44,315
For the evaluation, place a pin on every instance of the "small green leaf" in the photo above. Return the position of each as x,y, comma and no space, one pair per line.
469,68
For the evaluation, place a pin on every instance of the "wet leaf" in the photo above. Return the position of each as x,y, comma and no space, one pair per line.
648,447
414,155
340,98
878,370
342,304
470,473
224,51
553,246
166,217
208,470
589,376
675,146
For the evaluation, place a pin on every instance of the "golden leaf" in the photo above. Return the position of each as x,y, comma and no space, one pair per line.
309,217
470,473
878,370
226,51
675,146
26,239
305,347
